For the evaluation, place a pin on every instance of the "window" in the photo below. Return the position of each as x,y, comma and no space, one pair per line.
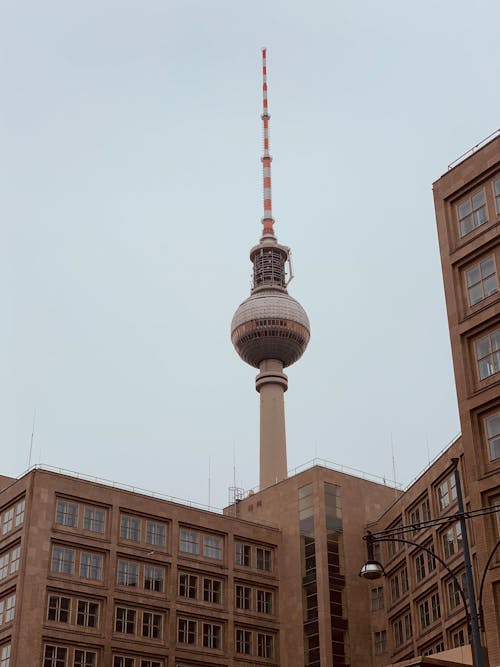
394,583
212,547
125,620
15,555
154,576
481,280
263,559
87,614
431,561
55,656
420,566
212,635
243,554
130,528
243,641
7,609
377,598
212,590
488,354
156,534
59,609
8,519
472,213
188,586
151,663
452,540
403,575
493,435
84,658
19,516
66,513
243,597
496,189
402,629
265,645
420,514
454,595
63,560
128,573
122,661
394,547
152,625
189,541
5,655
94,519
429,611
458,637
380,641
186,631
264,602
447,492
91,565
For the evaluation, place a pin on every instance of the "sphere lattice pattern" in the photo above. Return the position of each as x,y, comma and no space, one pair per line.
270,325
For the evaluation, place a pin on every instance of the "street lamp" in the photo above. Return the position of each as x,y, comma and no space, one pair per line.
372,569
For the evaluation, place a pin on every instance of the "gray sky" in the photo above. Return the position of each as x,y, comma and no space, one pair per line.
130,195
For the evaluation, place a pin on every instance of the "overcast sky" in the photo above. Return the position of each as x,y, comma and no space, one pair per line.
130,195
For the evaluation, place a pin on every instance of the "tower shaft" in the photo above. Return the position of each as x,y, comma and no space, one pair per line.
271,383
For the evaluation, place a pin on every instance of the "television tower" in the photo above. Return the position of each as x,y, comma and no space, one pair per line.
270,330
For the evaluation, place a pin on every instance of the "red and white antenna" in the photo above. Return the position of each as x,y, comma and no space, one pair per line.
267,220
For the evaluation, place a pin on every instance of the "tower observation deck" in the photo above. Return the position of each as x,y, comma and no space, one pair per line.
270,330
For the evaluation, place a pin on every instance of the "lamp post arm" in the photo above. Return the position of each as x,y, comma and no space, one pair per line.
481,586
373,537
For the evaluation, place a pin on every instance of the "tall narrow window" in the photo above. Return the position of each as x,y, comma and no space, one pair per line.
128,573
481,280
212,547
66,513
125,620
496,188
212,634
130,528
212,590
243,597
20,512
93,519
493,434
189,541
152,625
488,354
472,213
264,561
265,645
91,565
243,554
188,586
156,534
153,578
243,641
186,631
63,560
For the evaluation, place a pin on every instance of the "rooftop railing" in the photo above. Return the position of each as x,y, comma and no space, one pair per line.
472,150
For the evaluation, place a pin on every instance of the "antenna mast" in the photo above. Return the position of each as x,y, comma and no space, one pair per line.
267,220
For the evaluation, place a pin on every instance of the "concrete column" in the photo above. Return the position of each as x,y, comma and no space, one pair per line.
272,383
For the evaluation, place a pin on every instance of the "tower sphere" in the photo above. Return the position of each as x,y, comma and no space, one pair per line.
270,324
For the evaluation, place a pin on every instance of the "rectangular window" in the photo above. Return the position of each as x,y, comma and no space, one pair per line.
212,590
429,611
94,519
458,638
59,609
264,602
128,573
243,554
84,658
63,560
15,556
122,661
152,625
243,597
66,513
264,559
10,608
452,540
151,663
265,645
454,596
19,518
447,492
189,541
488,354
481,280
55,656
420,566
212,547
380,641
91,565
493,435
212,635
188,586
5,655
431,561
394,584
125,620
377,598
186,631
154,577
496,189
87,614
472,213
156,534
243,641
130,528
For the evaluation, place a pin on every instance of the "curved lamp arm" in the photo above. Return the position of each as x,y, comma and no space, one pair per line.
481,586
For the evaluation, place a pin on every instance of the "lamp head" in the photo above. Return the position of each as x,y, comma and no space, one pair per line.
371,570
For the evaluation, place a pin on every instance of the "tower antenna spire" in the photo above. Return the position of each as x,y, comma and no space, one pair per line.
267,220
